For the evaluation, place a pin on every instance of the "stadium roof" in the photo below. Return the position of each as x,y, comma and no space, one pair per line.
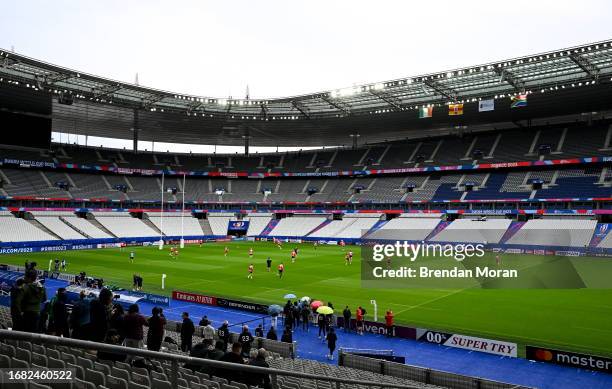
377,111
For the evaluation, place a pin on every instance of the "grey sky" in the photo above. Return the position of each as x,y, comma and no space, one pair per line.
289,47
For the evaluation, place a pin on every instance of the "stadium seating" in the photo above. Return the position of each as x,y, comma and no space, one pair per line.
350,227
122,225
20,230
297,226
473,231
175,225
407,227
219,222
257,223
86,227
555,232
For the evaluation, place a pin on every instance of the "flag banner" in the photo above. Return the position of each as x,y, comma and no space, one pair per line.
455,109
425,112
486,105
518,101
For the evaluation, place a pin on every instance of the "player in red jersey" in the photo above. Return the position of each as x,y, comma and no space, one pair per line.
293,256
251,270
350,257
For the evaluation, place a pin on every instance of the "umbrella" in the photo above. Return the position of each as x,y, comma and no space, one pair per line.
289,296
305,299
325,310
274,310
316,304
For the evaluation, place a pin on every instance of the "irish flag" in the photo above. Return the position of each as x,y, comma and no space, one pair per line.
425,112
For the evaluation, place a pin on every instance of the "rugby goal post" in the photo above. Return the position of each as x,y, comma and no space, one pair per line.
163,285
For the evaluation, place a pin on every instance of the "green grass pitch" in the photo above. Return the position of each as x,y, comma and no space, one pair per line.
578,319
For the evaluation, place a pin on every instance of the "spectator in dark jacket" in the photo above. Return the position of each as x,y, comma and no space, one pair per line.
156,323
34,294
346,314
99,315
245,338
112,337
261,380
331,342
133,323
234,356
202,351
272,334
187,330
287,336
204,321
305,316
259,331
80,316
224,334
59,325
116,321
16,297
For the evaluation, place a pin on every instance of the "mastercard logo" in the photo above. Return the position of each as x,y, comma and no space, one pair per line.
543,355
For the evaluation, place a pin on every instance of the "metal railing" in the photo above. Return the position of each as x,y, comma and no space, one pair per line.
175,359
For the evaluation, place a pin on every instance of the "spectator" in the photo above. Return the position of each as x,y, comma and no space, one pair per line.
99,315
234,356
133,323
305,316
261,380
80,316
204,321
245,338
208,332
218,352
389,323
16,297
187,330
287,336
359,320
259,332
112,337
346,314
34,294
272,334
116,321
59,314
322,323
295,312
331,342
156,324
224,334
289,319
200,350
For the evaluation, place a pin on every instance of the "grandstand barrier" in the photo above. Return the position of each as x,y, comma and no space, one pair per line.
420,374
175,359
28,164
381,328
89,244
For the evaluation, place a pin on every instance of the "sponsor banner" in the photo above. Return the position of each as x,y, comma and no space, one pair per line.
242,305
194,298
238,225
152,298
465,342
381,329
45,249
567,358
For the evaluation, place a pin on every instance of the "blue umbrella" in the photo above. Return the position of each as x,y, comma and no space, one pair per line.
275,310
289,296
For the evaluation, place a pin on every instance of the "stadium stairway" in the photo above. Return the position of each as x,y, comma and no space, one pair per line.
512,229
441,226
269,227
379,224
326,222
96,223
151,225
